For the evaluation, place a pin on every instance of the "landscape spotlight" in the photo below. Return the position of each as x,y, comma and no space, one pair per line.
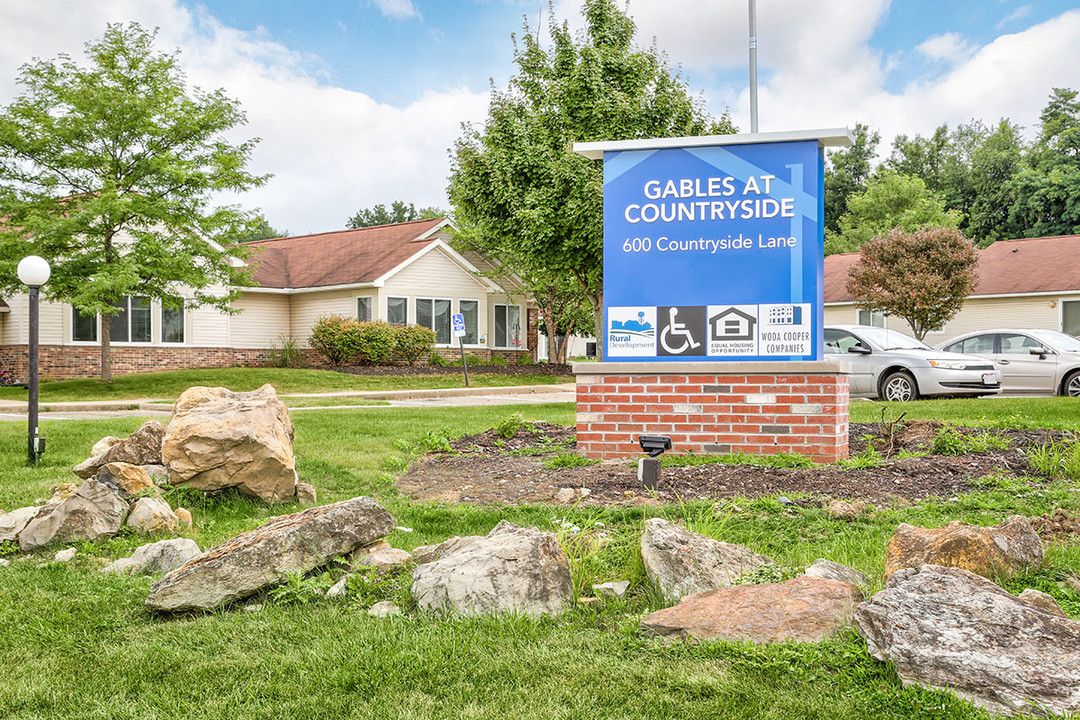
654,445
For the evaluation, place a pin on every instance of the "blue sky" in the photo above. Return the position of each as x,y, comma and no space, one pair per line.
357,102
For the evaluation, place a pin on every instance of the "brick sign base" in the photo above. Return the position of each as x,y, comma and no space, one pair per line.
764,408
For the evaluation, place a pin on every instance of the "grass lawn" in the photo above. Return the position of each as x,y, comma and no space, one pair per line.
168,385
79,644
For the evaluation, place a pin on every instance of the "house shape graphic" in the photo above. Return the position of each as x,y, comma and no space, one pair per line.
732,324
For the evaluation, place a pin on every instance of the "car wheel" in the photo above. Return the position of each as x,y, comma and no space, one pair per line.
1071,386
899,386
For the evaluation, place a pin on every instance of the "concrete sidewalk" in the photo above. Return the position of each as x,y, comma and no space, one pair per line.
15,410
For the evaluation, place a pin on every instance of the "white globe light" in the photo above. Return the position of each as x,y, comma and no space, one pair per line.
34,270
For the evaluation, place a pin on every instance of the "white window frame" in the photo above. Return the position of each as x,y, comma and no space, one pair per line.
161,324
477,328
495,340
124,343
370,308
873,315
397,297
449,324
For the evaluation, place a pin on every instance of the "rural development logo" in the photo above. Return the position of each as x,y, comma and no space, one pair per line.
631,332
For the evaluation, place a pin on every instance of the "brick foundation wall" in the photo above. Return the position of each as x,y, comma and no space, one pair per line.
63,362
764,408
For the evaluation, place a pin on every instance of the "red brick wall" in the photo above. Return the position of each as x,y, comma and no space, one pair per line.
759,408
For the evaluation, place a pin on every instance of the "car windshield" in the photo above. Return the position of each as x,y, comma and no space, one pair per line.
1057,340
890,339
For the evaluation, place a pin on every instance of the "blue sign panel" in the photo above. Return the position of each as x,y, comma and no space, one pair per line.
714,253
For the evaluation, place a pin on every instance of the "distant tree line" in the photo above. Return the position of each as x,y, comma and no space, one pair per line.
987,181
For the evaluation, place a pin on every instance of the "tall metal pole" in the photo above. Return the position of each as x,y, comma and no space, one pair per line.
753,66
32,402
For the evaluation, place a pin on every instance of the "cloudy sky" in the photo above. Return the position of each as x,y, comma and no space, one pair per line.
358,101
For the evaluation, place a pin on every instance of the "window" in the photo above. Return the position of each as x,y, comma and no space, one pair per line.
397,310
876,319
507,326
434,313
470,311
838,342
1017,344
363,309
83,327
974,345
1070,317
172,324
132,323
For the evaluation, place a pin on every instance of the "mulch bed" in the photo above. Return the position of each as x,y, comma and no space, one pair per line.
532,369
487,468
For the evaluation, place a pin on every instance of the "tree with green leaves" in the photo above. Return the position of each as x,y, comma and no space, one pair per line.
922,277
847,172
891,200
259,228
521,195
106,171
994,166
399,212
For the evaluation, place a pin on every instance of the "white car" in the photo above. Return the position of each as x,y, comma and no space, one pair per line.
1031,361
894,366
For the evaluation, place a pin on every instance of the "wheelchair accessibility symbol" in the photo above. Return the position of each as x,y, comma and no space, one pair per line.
682,330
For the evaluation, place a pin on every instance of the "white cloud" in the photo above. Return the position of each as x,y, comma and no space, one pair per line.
397,9
1018,14
332,151
951,48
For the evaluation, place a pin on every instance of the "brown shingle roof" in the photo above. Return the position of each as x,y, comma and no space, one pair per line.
345,257
1007,267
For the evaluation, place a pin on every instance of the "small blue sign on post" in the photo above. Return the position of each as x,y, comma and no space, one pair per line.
713,247
457,322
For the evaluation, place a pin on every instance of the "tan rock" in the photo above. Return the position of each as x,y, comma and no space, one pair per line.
95,510
127,479
805,609
1042,601
12,523
999,551
306,494
219,439
103,444
381,556
152,515
184,516
142,447
845,510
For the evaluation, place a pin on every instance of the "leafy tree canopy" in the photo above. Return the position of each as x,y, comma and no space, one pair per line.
399,212
847,173
922,277
106,171
890,200
520,193
259,228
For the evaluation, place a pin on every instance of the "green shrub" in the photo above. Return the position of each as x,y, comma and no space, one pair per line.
1057,460
284,352
413,342
951,441
525,359
334,338
437,360
498,361
569,458
509,427
375,343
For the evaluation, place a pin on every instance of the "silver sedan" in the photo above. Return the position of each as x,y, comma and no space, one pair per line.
895,366
1031,361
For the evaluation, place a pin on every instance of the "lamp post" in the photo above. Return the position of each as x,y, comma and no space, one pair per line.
34,272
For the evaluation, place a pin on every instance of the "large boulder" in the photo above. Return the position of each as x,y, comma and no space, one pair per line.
993,552
159,557
152,515
127,479
93,511
142,447
681,562
247,563
950,629
219,439
806,609
512,569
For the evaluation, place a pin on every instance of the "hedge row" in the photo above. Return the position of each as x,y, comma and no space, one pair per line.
343,341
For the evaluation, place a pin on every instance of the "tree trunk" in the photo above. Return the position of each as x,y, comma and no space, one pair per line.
106,356
597,302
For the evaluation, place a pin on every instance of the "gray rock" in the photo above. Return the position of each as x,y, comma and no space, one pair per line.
431,553
804,609
383,609
681,562
611,589
220,439
340,588
247,563
13,522
381,556
95,510
158,473
306,494
829,570
155,558
152,515
142,447
512,569
104,444
950,629
64,556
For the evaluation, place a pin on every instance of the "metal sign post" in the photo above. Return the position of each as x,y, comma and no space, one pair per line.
458,322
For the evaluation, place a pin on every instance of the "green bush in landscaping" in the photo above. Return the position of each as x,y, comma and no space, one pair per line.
343,340
413,342
334,338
